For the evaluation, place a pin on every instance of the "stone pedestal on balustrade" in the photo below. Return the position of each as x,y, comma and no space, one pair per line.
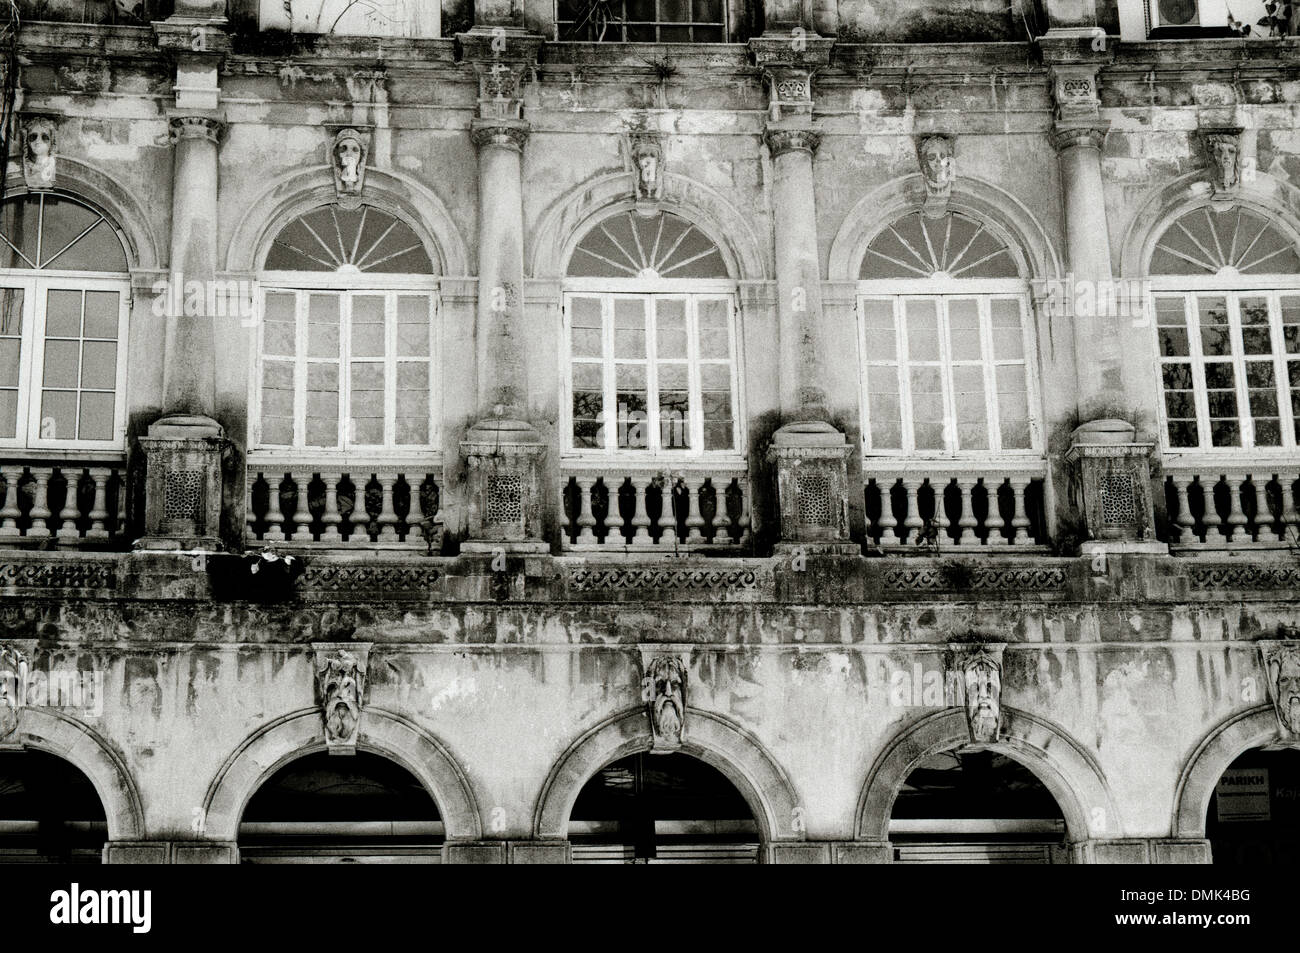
182,499
812,488
1112,487
504,459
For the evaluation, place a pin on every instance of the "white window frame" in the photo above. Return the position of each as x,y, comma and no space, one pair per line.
1190,287
692,289
942,290
31,369
346,285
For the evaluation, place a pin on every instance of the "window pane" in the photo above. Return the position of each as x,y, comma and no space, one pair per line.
63,314
922,331
8,413
964,330
413,326
1291,323
588,420
884,408
279,336
322,405
972,415
412,403
1008,335
96,417
715,338
323,326
1215,337
1256,337
277,403
1013,407
878,324
629,328
103,309
715,387
586,327
1184,433
62,364
927,408
10,348
59,415
1171,320
367,403
367,326
675,11
99,365
632,406
670,327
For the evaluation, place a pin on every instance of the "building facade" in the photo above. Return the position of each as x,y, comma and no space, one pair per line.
534,432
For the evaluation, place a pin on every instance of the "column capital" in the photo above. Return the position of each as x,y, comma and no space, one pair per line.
781,140
1079,135
191,125
788,63
506,133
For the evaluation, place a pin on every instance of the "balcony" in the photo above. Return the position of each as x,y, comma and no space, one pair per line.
1217,505
611,507
313,503
63,499
988,505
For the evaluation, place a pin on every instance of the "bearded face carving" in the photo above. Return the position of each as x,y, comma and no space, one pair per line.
38,153
13,683
979,670
1225,155
348,158
664,690
341,682
1282,666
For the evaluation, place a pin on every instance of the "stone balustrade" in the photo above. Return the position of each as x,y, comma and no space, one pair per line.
398,502
606,506
1247,504
988,504
71,499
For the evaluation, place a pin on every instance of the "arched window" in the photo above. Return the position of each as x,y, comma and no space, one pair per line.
346,348
1226,289
64,288
944,340
649,314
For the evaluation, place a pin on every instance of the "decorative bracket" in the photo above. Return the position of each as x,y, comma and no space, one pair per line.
341,669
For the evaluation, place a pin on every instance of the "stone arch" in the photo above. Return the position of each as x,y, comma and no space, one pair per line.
1277,200
1004,214
82,181
1065,768
301,733
55,733
712,738
568,219
300,191
1220,747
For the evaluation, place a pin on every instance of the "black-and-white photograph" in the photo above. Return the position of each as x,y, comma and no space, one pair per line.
647,432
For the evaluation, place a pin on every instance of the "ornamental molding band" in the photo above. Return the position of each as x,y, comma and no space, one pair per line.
57,575
363,582
792,139
13,689
598,580
647,166
663,689
40,148
1281,662
977,667
348,153
1223,148
936,155
340,691
980,579
1245,577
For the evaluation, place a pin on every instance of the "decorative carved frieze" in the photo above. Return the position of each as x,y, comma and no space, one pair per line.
977,667
340,691
1245,577
40,147
976,578
1223,147
72,574
936,155
663,689
1281,662
348,153
589,580
368,580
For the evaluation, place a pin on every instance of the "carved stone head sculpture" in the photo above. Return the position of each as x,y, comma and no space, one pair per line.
1224,148
664,690
981,671
348,155
13,684
341,681
1282,667
38,152
647,157
938,168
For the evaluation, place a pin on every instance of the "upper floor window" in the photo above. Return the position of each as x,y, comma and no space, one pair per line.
1226,290
945,341
404,18
347,346
651,340
64,293
642,21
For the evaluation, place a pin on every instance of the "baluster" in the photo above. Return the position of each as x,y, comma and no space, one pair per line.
1263,515
994,522
614,519
694,520
40,512
1236,515
120,529
1185,521
667,522
888,522
967,521
912,522
99,506
10,513
1289,515
68,515
744,520
360,517
941,511
331,518
415,514
302,511
274,518
1020,514
586,520
387,518
1211,519
641,517
250,516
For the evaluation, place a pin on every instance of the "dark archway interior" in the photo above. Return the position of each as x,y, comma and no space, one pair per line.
49,811
975,807
1254,813
324,807
661,808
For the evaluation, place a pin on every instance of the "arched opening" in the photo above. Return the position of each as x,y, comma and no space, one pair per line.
662,809
328,809
49,811
1254,812
975,807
